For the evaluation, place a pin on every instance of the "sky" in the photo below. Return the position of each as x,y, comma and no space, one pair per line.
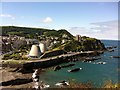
93,19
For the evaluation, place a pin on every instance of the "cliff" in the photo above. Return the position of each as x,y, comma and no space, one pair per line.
86,44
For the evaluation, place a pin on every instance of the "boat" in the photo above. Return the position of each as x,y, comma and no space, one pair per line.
90,59
68,65
111,50
101,62
62,83
115,56
75,70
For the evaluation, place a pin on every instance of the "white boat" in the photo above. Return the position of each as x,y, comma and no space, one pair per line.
101,63
88,61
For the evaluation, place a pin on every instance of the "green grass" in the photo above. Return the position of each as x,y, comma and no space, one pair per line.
14,61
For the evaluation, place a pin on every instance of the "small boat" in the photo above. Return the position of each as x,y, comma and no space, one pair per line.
115,56
62,83
75,70
111,50
101,62
89,61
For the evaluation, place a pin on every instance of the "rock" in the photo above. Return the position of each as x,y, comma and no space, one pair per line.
17,81
57,68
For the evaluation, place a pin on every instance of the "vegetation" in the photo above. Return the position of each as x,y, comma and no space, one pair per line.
70,44
17,55
33,32
59,32
108,85
92,44
14,61
88,44
52,53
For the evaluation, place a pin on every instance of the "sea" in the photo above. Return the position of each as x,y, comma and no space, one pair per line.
97,74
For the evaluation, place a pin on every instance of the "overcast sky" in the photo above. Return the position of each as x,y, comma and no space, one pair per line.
94,19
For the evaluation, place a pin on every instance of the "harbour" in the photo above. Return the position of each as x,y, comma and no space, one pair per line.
47,62
97,74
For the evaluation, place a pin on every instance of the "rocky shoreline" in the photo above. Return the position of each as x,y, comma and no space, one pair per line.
14,76
11,79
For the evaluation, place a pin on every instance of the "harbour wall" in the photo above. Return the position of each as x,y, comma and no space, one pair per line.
44,63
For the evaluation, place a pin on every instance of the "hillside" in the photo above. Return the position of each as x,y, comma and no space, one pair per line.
33,32
59,32
85,44
23,31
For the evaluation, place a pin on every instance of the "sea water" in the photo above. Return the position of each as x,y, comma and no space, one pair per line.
97,74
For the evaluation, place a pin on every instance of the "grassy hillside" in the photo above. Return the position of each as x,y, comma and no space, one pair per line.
23,31
33,32
59,33
88,44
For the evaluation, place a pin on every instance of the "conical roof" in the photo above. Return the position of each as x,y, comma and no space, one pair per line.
42,47
35,51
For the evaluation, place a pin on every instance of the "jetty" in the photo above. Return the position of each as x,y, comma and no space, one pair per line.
52,61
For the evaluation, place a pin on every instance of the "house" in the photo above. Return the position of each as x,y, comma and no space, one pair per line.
64,40
64,36
32,41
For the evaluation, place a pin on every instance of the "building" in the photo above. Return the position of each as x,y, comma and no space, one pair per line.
35,51
64,36
64,40
19,43
78,38
32,41
42,47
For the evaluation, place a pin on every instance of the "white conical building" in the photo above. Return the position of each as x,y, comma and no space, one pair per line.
42,47
35,51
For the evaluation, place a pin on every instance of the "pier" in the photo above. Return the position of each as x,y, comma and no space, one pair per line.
52,61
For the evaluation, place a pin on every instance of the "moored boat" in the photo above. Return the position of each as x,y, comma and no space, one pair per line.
75,70
115,56
101,62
